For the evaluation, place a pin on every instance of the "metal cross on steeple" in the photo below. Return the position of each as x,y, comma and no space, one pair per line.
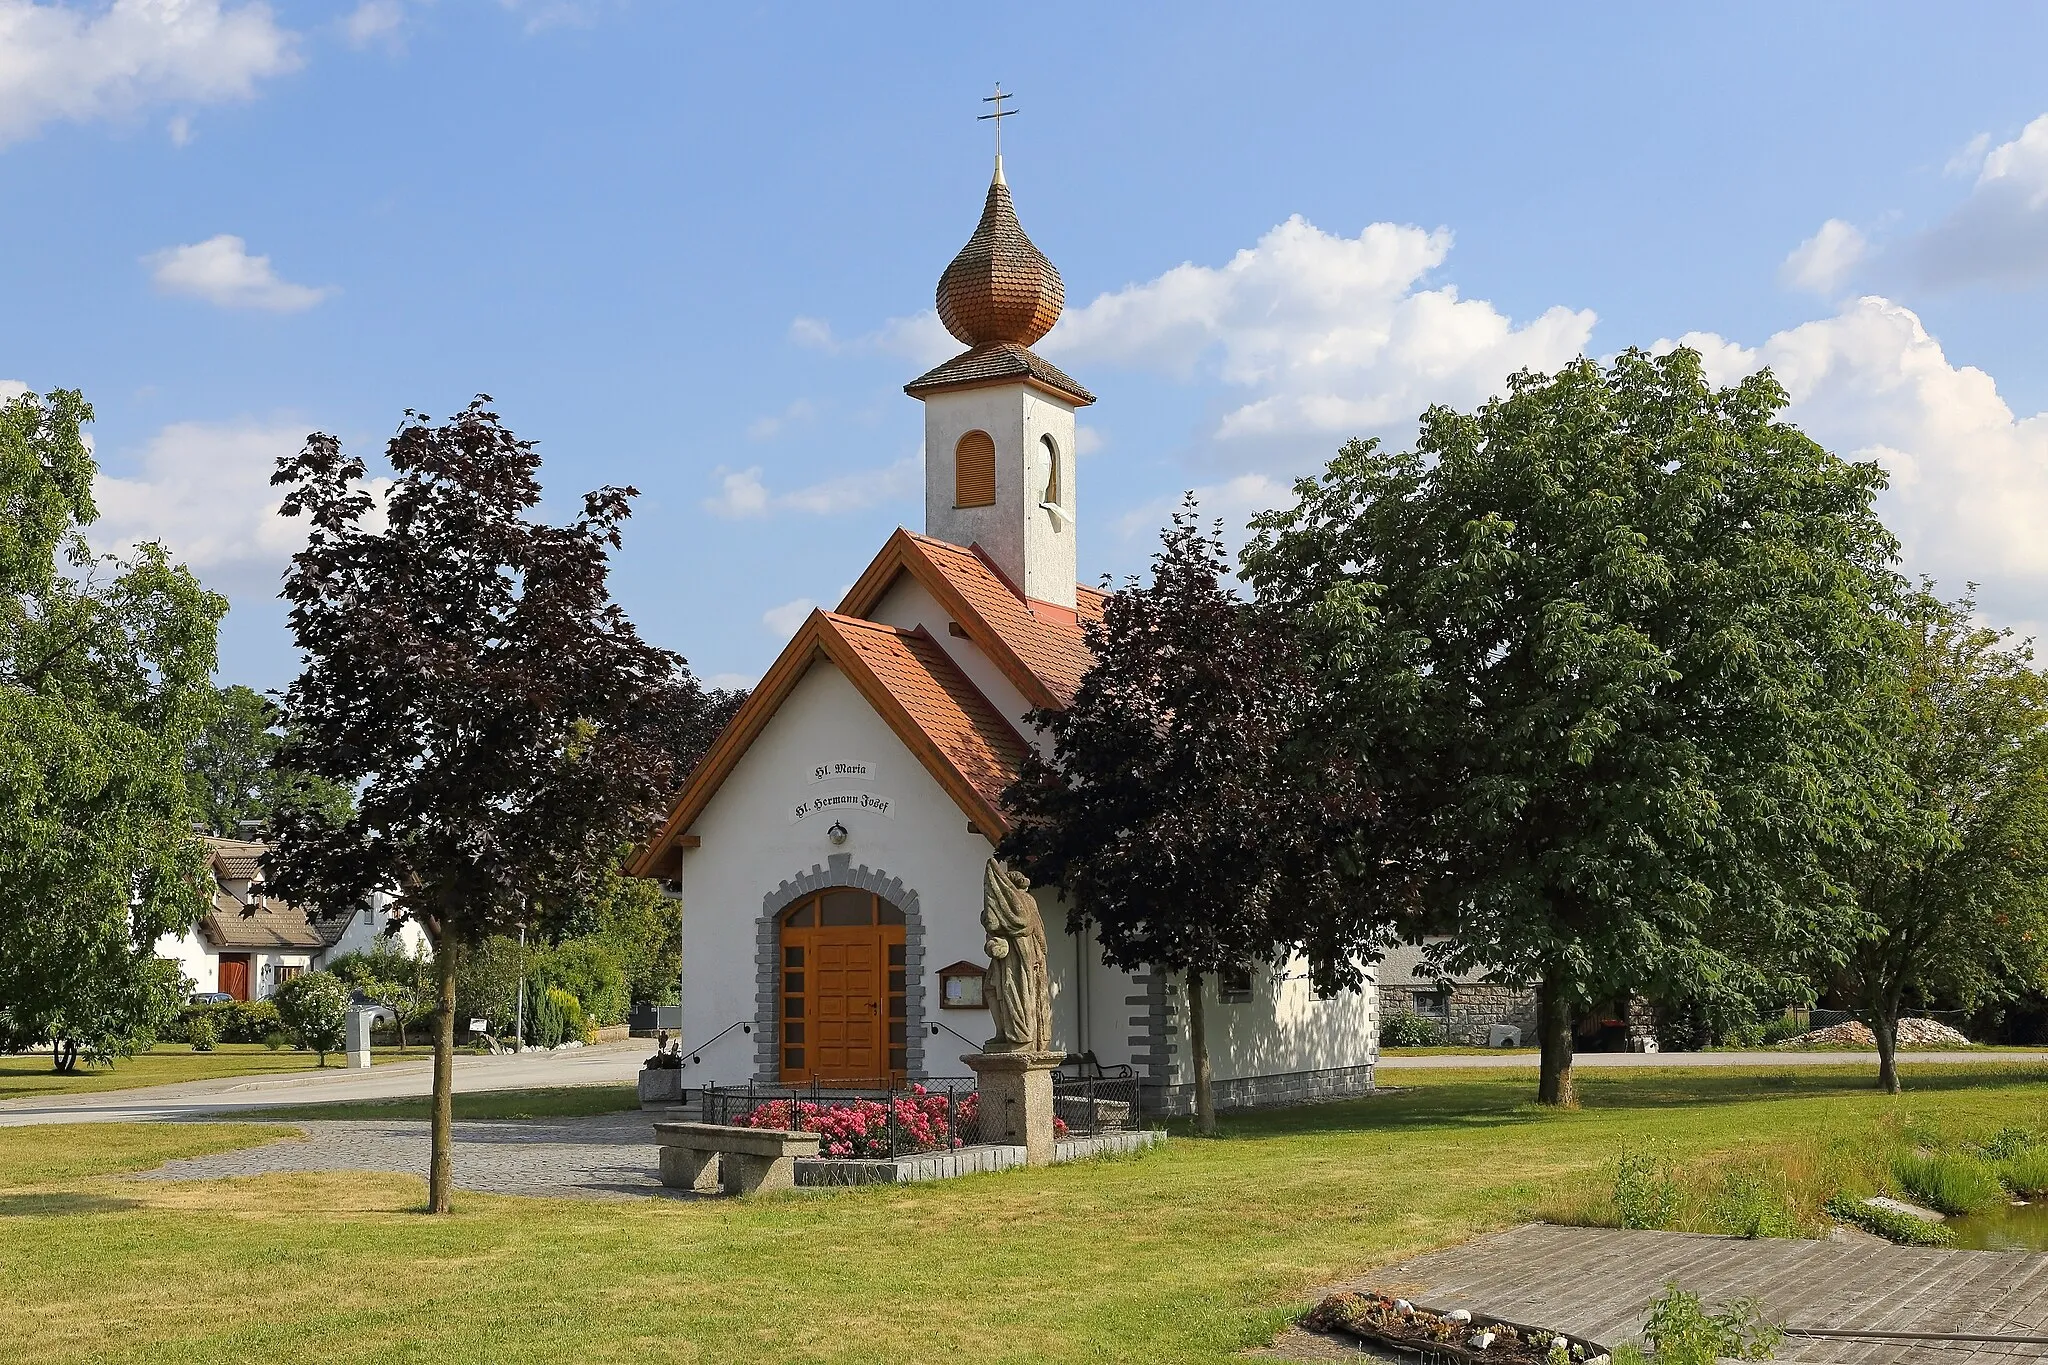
998,115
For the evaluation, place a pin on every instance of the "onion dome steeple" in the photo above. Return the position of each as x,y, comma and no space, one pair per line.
1000,288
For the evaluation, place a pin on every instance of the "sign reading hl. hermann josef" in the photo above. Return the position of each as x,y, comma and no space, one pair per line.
867,801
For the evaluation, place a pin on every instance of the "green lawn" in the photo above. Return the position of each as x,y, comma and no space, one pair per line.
27,1074
1192,1253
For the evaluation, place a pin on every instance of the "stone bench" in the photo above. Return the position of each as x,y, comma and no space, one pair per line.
712,1158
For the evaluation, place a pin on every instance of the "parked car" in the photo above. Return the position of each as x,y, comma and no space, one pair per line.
213,998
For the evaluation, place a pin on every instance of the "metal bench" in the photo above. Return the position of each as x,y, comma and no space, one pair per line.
715,1158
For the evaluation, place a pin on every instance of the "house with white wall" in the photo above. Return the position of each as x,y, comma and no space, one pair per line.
829,849
249,943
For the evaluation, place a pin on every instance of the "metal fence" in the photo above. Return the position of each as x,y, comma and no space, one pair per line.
1088,1098
854,1119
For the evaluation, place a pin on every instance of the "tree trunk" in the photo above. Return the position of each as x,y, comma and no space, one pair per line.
1198,1042
440,1175
1884,1022
1554,1085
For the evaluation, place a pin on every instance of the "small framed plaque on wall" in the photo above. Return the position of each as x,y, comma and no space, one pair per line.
960,986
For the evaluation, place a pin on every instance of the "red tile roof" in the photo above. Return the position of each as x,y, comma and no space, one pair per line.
907,676
938,700
1038,645
916,688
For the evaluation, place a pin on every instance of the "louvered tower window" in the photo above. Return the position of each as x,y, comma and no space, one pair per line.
974,470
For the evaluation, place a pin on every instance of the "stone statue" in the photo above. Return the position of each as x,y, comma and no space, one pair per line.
1018,989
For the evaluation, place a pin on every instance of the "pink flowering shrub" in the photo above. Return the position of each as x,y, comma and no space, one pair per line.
923,1122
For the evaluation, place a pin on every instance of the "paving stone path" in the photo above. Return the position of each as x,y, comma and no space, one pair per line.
604,1156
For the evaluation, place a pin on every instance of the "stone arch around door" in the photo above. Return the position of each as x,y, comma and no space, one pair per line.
838,871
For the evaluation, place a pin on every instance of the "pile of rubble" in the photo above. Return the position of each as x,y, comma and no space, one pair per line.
1913,1033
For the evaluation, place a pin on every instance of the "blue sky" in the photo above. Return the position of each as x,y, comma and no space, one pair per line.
693,249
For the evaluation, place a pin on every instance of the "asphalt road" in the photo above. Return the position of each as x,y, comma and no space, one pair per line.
606,1064
619,1064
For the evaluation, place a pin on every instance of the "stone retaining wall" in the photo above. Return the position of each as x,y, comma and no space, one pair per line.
1477,1006
975,1160
1258,1092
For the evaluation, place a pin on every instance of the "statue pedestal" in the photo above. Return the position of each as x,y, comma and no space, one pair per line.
1016,1099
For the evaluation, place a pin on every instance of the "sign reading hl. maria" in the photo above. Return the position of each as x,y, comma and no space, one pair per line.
867,801
840,770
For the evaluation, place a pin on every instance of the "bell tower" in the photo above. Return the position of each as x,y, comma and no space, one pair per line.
999,420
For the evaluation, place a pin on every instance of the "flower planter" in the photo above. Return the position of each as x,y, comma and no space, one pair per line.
1456,1335
661,1085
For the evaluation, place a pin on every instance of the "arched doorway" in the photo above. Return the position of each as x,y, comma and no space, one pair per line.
844,988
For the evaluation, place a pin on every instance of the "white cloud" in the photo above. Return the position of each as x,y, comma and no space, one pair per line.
203,489
920,337
78,63
1087,440
1321,333
741,493
1969,158
1236,501
1969,495
11,389
1821,262
180,129
783,621
766,428
221,271
374,21
2000,232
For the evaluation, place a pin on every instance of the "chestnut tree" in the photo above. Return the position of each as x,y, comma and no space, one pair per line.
1607,644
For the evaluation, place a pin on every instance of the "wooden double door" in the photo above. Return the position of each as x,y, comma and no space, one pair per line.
234,975
844,989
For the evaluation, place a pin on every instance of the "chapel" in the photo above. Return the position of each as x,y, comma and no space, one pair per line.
829,850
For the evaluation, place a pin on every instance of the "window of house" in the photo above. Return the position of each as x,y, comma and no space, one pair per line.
1436,1003
1234,985
285,973
974,470
1052,470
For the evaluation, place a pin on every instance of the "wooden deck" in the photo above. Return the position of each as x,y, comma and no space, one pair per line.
1596,1282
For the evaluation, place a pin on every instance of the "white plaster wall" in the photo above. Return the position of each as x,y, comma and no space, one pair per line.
193,957
263,971
1283,1028
1034,547
750,847
366,928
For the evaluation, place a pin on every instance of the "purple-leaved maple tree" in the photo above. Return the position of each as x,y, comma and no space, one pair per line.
505,728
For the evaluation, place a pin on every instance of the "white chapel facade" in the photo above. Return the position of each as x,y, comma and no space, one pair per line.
829,848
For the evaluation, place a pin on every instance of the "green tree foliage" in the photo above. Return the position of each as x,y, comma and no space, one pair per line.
641,928
387,975
233,770
1603,645
587,969
314,1008
1954,884
104,668
468,675
1164,814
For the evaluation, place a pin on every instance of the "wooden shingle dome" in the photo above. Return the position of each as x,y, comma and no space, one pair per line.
1000,288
